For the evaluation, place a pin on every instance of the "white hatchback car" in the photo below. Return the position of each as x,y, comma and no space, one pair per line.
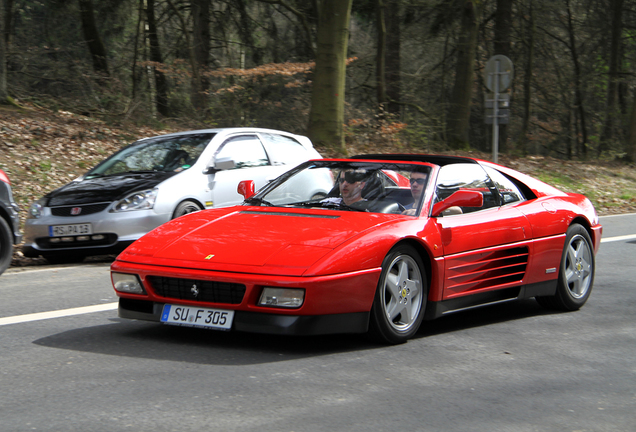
155,180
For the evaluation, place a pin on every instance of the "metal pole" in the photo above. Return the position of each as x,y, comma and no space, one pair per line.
495,116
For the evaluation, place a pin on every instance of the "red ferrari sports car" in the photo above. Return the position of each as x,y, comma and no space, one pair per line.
397,240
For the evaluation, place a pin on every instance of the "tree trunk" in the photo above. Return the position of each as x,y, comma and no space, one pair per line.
458,120
92,39
8,22
326,117
503,23
380,59
4,95
161,84
201,48
578,91
141,24
527,82
392,64
611,108
631,139
246,32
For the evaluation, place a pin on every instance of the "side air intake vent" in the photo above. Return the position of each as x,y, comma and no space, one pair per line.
487,270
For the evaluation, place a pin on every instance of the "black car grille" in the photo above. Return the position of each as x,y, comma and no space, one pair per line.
198,290
85,209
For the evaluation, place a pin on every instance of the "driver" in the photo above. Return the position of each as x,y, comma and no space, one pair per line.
350,183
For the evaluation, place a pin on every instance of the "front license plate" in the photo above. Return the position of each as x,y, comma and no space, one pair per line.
70,230
197,317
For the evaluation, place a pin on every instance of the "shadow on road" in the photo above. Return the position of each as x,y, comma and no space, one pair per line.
160,342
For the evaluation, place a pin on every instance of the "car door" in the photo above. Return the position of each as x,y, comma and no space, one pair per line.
284,150
251,163
485,248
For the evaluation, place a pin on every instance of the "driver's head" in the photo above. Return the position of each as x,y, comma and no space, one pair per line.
351,184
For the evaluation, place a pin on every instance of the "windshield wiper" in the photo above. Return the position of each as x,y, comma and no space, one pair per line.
140,172
339,205
259,201
312,203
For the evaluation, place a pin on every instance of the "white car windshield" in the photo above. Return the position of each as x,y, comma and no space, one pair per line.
166,154
350,186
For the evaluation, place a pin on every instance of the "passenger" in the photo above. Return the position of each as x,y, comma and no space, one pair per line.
418,182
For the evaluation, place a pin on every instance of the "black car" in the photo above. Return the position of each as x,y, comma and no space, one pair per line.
9,222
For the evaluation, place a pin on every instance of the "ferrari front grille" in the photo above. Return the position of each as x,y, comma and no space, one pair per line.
197,290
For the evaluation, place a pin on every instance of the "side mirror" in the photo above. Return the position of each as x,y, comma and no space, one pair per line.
220,164
246,188
461,198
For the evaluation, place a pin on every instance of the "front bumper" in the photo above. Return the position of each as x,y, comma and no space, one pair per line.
119,231
255,322
34,251
338,303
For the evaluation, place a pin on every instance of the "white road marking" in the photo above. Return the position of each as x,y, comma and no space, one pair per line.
618,238
617,215
57,314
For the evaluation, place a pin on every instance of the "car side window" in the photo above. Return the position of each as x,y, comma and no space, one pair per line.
508,191
456,177
284,150
246,151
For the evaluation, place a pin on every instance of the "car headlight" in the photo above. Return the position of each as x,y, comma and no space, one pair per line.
282,297
128,283
35,211
140,200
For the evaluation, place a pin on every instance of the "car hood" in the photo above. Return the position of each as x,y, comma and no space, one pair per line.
102,189
250,239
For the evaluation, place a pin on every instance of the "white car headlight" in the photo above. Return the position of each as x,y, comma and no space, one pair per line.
129,283
140,200
282,297
35,211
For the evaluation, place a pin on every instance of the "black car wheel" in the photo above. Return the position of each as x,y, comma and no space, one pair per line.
400,299
6,245
184,208
576,272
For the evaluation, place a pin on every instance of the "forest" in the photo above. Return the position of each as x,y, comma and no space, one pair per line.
377,71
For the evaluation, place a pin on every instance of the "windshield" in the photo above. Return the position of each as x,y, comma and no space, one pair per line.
349,186
166,154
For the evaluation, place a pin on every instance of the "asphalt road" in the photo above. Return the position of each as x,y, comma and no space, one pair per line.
67,363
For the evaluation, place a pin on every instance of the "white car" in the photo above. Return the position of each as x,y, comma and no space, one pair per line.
155,180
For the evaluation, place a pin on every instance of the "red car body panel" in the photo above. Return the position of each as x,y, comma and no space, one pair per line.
337,256
258,240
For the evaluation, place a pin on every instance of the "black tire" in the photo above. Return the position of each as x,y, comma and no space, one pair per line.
6,245
576,272
400,299
184,208
65,258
